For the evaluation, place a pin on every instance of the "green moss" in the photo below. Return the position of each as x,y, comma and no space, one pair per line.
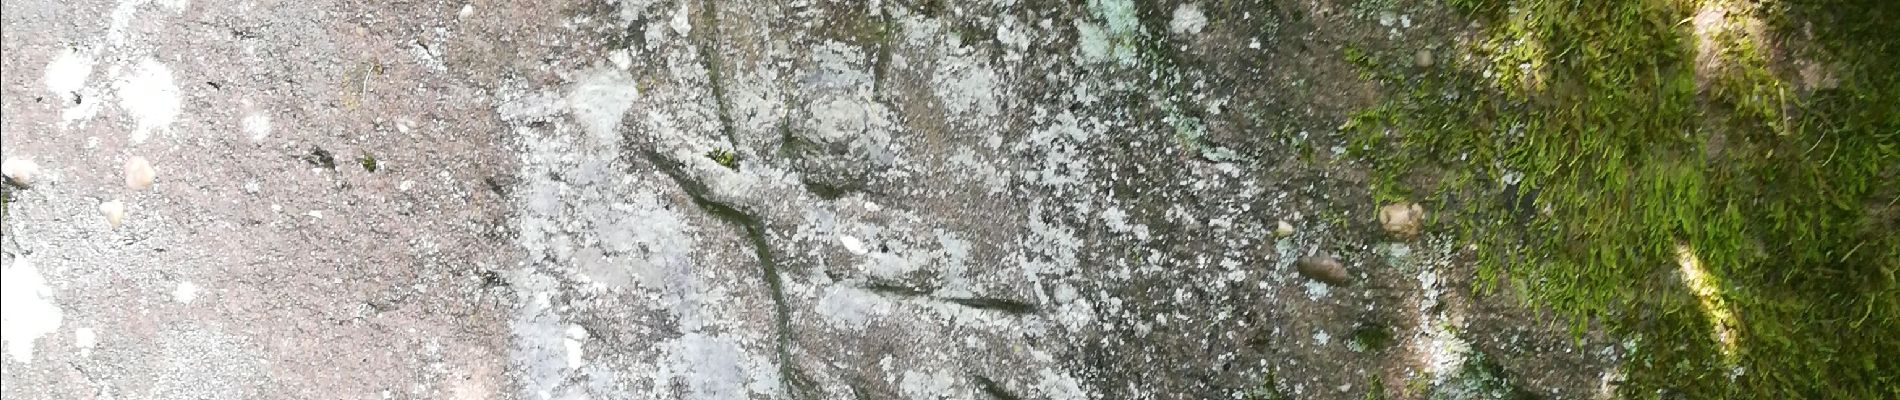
1370,337
368,162
1358,58
1585,152
1267,390
1375,390
725,158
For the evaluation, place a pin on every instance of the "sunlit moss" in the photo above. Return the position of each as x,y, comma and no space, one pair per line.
1589,144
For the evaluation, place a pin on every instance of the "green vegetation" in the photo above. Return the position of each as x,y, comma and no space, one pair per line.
1375,389
1594,150
1267,390
367,161
1370,337
725,158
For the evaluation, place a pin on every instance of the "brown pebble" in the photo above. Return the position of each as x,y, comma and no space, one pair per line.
1324,268
1423,58
139,173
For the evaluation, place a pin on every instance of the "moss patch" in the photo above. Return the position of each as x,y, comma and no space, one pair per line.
725,158
1479,378
1589,156
1268,390
1370,337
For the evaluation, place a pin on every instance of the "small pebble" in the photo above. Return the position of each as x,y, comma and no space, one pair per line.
1423,58
139,173
114,211
1324,268
19,171
1283,229
1402,219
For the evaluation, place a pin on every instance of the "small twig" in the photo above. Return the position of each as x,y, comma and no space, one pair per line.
1817,143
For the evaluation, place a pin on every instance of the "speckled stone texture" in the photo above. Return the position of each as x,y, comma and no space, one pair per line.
1012,199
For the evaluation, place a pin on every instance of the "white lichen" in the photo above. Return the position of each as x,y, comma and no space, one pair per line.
257,126
1188,20
185,293
27,308
600,99
150,96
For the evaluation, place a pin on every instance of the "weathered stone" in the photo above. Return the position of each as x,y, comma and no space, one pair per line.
1402,219
1283,229
1423,58
139,173
19,171
114,211
1324,268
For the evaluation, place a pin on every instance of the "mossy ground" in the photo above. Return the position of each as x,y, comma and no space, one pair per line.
1588,148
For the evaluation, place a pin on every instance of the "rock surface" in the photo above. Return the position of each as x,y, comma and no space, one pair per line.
114,213
912,200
